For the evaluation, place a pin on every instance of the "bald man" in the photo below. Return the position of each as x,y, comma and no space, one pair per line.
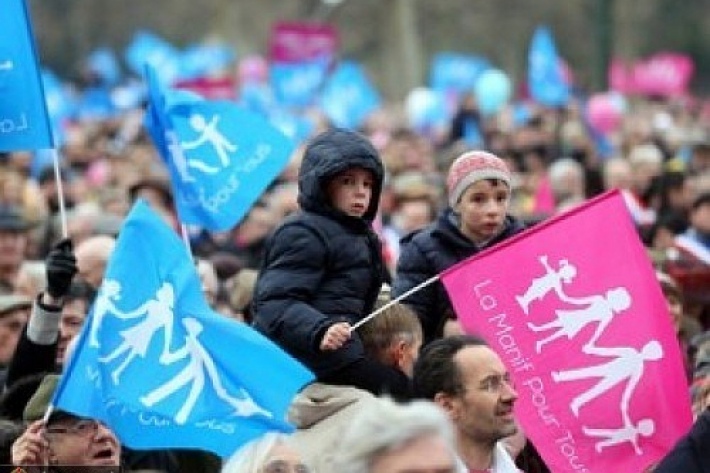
92,255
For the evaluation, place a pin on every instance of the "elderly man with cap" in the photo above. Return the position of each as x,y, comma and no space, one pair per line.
14,311
13,244
64,439
479,188
69,440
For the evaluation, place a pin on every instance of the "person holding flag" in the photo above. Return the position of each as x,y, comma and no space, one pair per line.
323,267
477,218
187,379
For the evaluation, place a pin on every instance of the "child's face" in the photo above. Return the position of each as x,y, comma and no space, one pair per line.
350,191
483,207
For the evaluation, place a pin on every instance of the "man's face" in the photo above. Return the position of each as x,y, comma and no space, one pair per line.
12,247
11,324
483,411
85,442
428,454
72,319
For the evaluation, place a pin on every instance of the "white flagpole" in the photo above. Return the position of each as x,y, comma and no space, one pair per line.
393,302
186,239
60,193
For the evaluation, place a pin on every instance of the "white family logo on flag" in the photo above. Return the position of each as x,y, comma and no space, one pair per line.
209,135
156,314
625,365
591,346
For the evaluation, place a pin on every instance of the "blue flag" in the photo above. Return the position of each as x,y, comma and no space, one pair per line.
148,48
297,84
61,105
221,157
298,127
348,96
24,123
546,79
163,370
456,72
200,60
104,64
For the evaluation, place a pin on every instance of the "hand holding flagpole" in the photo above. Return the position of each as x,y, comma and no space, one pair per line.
394,301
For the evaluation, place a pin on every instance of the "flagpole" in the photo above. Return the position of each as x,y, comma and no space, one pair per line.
394,301
60,193
186,238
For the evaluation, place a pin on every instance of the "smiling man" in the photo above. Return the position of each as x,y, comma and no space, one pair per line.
469,381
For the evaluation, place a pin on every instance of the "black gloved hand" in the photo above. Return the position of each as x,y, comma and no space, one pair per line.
61,268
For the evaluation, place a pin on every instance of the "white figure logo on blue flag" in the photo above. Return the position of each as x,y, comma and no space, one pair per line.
221,156
24,123
154,355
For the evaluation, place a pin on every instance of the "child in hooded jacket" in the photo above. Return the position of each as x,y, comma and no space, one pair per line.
323,267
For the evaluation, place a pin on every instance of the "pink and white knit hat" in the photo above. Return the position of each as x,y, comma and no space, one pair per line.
473,166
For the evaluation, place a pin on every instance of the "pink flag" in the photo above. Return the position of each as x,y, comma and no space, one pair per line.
574,309
302,41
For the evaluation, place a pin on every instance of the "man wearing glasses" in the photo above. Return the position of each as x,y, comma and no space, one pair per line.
65,440
469,381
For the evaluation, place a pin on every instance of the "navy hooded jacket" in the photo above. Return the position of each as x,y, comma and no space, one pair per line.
322,266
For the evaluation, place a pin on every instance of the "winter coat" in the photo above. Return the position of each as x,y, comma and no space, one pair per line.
321,413
322,266
428,252
692,452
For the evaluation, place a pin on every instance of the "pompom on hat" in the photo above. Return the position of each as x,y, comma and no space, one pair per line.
471,167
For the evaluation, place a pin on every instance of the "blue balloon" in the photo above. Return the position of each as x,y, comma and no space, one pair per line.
492,90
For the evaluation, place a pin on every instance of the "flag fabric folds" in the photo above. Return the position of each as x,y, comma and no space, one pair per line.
546,77
221,157
575,311
348,96
24,123
156,364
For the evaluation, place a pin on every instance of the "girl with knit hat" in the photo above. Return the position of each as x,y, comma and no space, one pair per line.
479,187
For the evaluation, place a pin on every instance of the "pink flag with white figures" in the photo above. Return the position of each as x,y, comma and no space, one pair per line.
574,309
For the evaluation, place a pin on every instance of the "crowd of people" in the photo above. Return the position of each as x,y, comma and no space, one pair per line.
356,219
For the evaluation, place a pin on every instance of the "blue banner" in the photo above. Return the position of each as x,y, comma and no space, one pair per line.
61,105
348,96
298,84
163,370
299,128
103,63
200,60
221,157
456,72
24,123
148,48
546,79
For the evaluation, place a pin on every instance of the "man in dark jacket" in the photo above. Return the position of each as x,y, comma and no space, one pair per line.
323,266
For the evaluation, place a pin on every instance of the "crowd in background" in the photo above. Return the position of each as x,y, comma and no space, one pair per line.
659,158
